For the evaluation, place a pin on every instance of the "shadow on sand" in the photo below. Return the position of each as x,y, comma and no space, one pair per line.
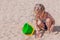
57,28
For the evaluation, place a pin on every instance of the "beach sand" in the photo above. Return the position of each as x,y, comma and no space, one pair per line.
14,13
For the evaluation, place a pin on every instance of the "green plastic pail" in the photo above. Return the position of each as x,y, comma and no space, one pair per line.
27,29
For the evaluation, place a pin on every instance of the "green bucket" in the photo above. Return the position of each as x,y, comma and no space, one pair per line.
27,29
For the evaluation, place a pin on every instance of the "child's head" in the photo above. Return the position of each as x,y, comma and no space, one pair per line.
39,8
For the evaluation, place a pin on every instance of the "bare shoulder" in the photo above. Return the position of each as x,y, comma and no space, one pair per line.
48,15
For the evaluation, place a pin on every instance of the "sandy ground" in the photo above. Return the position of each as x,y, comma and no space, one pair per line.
14,13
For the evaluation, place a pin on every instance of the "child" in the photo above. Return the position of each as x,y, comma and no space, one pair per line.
44,21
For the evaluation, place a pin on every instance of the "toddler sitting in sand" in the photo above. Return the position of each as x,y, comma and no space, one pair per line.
44,21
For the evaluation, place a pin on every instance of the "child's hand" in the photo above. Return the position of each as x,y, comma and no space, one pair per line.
39,22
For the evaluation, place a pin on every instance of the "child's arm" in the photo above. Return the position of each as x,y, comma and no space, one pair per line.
38,21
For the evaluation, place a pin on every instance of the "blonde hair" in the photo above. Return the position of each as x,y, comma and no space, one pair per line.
39,7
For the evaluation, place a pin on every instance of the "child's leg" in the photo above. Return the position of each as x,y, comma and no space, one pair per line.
42,33
38,34
48,23
52,27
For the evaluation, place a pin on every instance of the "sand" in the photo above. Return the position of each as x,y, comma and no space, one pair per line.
14,13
